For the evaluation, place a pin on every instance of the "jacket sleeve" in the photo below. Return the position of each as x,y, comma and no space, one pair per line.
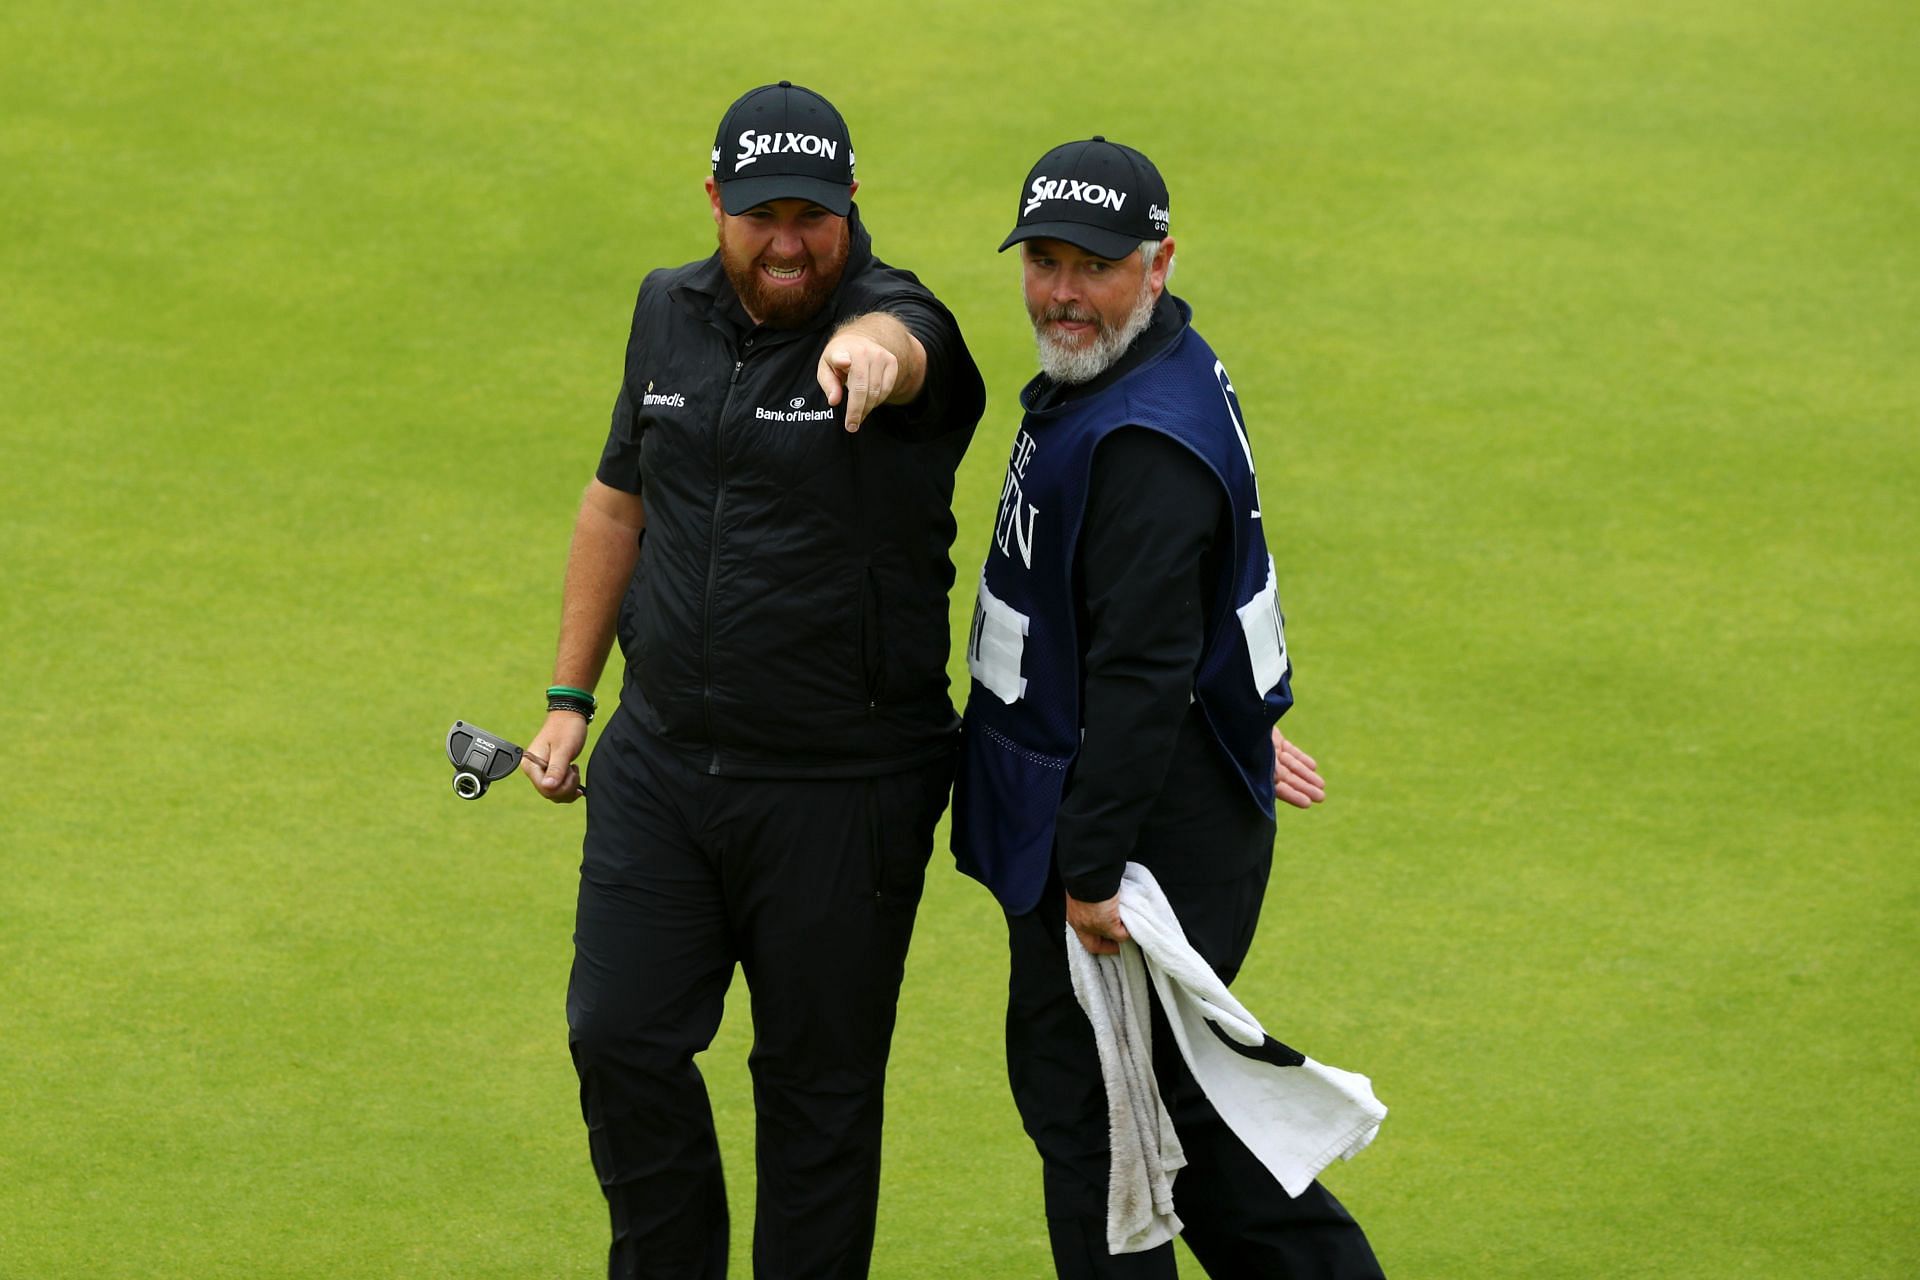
953,396
1153,512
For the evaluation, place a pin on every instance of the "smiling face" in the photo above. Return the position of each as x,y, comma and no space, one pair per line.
784,257
1086,309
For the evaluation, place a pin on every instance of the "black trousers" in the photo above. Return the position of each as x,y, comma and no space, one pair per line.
810,886
1239,1222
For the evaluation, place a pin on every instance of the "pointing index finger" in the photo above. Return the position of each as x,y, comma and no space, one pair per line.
827,374
858,401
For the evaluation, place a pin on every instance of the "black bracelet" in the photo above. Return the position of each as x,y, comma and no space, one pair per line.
578,706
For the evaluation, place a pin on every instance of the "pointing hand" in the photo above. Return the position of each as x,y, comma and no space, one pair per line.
860,371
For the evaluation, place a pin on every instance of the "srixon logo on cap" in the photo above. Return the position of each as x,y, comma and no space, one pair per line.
754,145
1044,189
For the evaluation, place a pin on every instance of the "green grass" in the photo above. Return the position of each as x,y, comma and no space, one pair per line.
1578,346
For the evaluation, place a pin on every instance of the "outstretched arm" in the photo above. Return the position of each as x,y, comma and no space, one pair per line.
869,361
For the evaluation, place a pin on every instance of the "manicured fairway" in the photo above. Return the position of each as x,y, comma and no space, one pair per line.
1578,347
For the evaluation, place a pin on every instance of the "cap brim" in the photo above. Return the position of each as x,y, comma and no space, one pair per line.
1095,240
742,194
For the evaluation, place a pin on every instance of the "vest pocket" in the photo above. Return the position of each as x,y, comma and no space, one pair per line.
1005,801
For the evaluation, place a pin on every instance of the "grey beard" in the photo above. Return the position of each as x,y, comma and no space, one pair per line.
1073,365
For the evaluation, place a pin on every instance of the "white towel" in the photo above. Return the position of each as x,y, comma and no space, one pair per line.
1295,1114
1145,1151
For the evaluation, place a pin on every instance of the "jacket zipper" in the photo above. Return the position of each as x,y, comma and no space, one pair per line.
713,565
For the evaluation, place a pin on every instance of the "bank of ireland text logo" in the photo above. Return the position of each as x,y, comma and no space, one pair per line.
796,411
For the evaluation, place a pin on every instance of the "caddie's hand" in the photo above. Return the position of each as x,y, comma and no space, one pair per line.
1098,925
558,743
1296,778
860,371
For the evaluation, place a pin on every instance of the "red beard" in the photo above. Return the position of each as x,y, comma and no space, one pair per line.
787,307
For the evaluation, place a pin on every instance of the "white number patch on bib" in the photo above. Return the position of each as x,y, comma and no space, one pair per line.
995,643
1266,635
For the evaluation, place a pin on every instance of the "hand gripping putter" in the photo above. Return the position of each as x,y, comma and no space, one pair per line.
481,759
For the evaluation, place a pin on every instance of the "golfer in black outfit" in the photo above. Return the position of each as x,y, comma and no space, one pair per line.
767,534
1128,668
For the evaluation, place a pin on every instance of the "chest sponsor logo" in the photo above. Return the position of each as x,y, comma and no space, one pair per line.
754,145
1045,189
796,411
662,400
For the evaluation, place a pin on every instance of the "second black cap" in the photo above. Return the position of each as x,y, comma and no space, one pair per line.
1099,195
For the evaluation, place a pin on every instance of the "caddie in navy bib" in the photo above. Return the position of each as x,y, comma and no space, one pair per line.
1023,718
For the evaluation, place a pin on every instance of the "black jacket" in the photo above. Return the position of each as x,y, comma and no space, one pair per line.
788,616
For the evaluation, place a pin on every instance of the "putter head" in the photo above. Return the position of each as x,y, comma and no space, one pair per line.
479,759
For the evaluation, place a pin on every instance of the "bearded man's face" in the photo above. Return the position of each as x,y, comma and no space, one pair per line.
1086,310
784,258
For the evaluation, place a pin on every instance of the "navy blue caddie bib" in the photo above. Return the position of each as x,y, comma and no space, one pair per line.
1022,724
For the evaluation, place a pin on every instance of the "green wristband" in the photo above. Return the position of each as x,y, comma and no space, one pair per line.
568,691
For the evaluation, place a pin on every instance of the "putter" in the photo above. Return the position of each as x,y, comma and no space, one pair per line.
481,759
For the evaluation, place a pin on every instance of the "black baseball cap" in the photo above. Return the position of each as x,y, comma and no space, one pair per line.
1099,195
782,142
